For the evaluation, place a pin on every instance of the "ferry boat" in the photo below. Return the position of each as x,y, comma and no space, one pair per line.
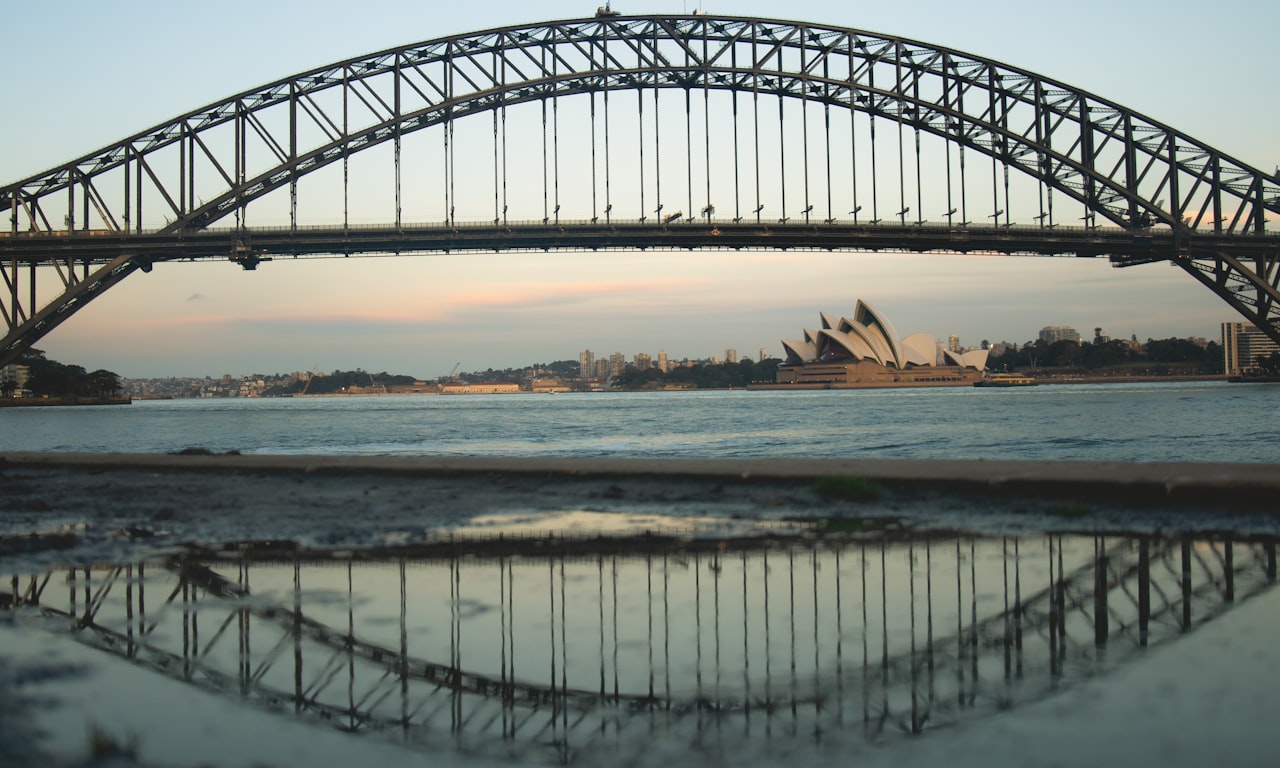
1006,380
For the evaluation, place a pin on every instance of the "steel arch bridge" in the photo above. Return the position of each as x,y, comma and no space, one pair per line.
822,137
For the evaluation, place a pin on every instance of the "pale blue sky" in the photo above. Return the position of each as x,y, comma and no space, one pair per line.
83,74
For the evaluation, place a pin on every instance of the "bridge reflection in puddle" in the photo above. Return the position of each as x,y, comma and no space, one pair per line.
639,647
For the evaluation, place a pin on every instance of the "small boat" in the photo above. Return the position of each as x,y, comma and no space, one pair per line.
1006,380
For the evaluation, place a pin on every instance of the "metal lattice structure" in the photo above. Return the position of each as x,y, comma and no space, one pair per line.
1039,615
186,189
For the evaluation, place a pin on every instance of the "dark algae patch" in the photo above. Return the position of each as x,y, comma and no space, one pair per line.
839,488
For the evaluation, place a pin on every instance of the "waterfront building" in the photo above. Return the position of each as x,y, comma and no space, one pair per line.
480,388
1242,345
865,351
586,363
548,385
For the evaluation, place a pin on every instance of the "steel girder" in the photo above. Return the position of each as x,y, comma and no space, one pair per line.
198,169
1119,163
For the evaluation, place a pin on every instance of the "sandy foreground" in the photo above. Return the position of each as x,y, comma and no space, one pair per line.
58,509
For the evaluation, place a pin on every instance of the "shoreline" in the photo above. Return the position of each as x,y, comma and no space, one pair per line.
1224,484
753,387
51,402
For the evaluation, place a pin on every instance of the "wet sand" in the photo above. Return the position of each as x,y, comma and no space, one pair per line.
57,507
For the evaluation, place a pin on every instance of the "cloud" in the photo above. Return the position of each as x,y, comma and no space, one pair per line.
551,296
197,297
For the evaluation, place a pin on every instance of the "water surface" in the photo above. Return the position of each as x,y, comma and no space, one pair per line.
643,650
1108,422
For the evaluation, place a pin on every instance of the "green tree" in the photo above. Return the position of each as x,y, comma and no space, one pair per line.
1174,351
103,383
1064,354
1106,354
53,379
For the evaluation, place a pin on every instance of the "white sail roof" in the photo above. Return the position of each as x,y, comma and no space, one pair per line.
880,329
870,336
800,352
974,358
850,343
920,349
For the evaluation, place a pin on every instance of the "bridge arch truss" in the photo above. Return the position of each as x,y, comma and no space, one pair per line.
824,127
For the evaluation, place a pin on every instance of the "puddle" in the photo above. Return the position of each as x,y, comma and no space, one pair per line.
635,645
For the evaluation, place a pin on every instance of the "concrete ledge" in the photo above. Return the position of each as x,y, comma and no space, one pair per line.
1217,484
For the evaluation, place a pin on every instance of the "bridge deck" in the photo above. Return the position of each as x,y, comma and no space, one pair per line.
258,244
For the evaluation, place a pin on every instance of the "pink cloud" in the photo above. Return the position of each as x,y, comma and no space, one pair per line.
549,295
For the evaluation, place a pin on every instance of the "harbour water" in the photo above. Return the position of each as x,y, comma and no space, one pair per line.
1189,421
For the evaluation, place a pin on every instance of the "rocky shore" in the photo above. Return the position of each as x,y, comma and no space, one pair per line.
73,507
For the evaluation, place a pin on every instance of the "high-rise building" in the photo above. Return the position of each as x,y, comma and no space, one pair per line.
14,376
953,343
617,364
764,354
1242,345
662,361
586,364
1054,333
731,355
643,361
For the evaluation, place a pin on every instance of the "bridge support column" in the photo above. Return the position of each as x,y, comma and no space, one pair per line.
1144,590
1100,623
1186,585
1229,572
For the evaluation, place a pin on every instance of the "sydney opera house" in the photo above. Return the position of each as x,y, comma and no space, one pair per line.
864,351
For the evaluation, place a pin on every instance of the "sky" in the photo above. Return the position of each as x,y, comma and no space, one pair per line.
91,73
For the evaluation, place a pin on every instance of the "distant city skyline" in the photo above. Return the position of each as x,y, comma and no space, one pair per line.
602,363
422,314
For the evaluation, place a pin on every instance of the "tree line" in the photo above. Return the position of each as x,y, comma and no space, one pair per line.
49,378
1157,356
699,376
339,381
